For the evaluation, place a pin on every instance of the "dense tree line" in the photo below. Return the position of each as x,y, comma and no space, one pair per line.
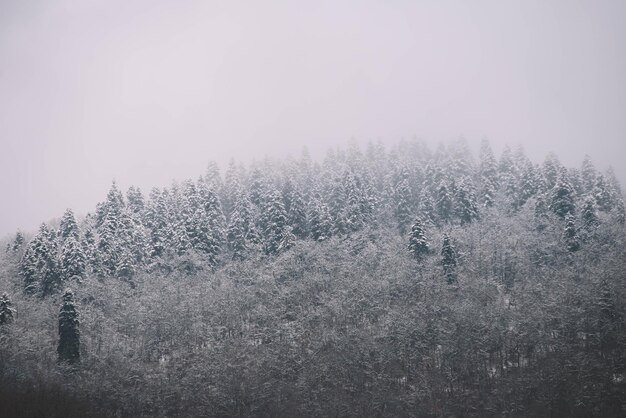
401,282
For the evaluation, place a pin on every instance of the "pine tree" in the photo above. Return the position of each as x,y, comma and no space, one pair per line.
418,244
276,230
426,207
562,197
69,334
73,260
550,170
18,241
68,227
321,223
134,197
39,267
296,210
466,208
241,234
588,174
402,195
589,216
448,260
572,240
445,204
7,312
488,171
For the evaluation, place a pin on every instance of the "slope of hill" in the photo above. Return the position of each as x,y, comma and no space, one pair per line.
402,282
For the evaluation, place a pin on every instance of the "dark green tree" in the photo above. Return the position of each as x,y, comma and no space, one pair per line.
7,312
69,335
418,244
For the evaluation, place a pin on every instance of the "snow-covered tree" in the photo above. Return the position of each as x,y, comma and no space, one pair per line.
7,311
562,197
465,205
572,241
448,260
68,227
418,244
73,260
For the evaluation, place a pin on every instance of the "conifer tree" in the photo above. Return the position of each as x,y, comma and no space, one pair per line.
448,260
135,199
68,226
562,197
296,210
321,223
39,267
69,335
572,240
589,216
418,244
73,260
276,230
18,241
488,172
402,206
7,312
445,204
426,207
588,174
550,170
241,233
466,208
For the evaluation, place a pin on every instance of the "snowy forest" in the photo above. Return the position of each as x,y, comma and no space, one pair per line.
380,280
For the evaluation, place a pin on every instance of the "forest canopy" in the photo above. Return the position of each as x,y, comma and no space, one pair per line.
407,281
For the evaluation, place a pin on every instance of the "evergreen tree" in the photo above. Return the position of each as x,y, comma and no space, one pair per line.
426,207
18,241
321,223
276,234
448,260
488,172
466,208
7,312
445,204
125,268
69,334
508,176
296,210
73,260
39,267
402,206
572,240
241,233
562,197
589,216
418,244
550,170
588,174
134,197
68,227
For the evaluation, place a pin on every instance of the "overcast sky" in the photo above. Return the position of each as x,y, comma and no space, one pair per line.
149,91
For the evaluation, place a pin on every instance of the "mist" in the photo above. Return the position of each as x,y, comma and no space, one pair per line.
146,92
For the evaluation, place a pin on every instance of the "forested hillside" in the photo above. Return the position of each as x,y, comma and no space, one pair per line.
377,282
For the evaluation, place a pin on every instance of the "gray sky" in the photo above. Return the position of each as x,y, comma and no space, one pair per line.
150,91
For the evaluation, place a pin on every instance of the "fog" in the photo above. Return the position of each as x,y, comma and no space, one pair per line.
145,92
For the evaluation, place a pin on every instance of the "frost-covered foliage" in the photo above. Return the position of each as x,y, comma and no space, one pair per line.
401,282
